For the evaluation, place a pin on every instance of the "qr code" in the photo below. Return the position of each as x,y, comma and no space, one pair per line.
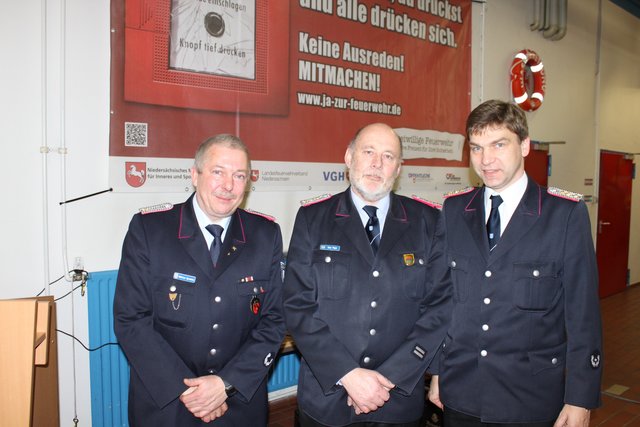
135,134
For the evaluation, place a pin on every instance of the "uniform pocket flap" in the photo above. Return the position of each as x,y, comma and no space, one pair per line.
548,358
255,287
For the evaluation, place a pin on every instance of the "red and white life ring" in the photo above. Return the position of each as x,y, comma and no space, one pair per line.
527,80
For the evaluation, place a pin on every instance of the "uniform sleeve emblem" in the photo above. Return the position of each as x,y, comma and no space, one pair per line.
595,359
268,359
419,352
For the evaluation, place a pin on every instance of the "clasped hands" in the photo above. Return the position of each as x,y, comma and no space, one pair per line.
205,397
367,390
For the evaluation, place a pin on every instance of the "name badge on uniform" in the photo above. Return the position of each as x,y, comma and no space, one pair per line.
184,277
409,259
334,248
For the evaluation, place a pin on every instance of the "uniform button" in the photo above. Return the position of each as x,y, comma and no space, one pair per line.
420,261
483,353
487,273
366,359
554,361
376,273
453,264
487,301
211,371
372,331
327,259
374,304
255,290
536,273
215,326
485,327
217,299
213,351
172,288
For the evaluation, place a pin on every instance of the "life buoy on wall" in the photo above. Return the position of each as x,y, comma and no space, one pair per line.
527,80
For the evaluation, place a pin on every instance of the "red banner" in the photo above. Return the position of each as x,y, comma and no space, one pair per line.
294,80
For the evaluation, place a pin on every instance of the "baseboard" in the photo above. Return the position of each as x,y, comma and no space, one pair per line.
285,392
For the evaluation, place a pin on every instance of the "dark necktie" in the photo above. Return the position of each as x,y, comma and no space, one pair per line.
493,225
214,250
372,228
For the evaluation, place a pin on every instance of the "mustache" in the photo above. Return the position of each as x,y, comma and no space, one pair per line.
373,174
225,195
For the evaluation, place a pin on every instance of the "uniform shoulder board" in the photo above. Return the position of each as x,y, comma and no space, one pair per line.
458,192
156,208
314,200
269,217
427,202
564,194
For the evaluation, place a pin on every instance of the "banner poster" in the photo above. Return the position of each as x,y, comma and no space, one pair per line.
174,175
294,79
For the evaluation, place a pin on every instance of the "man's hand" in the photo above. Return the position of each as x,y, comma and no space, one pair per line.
205,396
573,416
368,390
216,413
434,392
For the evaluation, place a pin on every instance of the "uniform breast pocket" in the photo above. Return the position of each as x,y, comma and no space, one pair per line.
331,271
536,285
459,268
175,304
414,274
256,287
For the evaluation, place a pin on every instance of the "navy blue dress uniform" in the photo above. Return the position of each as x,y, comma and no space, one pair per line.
347,308
525,336
177,317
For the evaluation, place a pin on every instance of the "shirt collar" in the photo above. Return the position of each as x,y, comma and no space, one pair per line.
382,205
203,221
510,195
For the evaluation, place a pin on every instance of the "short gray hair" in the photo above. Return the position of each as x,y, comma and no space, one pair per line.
224,139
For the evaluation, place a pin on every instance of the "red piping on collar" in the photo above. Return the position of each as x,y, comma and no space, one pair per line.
244,238
404,212
180,236
338,208
466,209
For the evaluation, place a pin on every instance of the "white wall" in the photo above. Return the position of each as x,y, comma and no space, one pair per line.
94,227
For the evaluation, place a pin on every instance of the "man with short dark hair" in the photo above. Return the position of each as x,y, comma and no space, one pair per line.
198,307
524,345
366,295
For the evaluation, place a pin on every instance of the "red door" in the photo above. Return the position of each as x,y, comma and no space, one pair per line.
536,164
614,220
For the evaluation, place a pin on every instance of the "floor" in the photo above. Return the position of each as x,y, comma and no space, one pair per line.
621,375
621,327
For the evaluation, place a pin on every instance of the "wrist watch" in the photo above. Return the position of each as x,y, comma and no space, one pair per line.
229,389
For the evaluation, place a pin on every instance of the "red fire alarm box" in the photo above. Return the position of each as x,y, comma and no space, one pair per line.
208,54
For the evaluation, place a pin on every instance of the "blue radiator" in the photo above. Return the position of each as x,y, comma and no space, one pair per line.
110,369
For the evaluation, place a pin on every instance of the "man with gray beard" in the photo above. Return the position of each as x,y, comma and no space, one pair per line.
366,294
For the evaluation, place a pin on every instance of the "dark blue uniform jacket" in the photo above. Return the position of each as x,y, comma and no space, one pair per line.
525,336
177,317
346,308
